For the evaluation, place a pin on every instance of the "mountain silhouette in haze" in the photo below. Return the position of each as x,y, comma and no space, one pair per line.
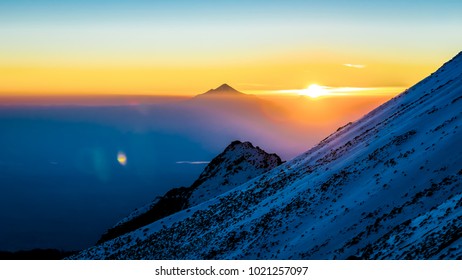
222,90
235,113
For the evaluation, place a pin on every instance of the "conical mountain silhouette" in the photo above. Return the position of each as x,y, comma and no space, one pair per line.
224,89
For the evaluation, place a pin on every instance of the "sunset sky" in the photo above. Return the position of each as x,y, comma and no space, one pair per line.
186,47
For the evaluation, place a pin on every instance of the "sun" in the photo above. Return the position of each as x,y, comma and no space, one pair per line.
314,91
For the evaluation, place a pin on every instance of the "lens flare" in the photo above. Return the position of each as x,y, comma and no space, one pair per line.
122,158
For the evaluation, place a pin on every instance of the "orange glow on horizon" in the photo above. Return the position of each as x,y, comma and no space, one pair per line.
315,91
255,76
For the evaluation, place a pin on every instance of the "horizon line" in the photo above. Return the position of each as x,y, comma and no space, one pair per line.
335,90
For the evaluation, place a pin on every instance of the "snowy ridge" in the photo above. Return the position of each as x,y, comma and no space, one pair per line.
388,186
237,164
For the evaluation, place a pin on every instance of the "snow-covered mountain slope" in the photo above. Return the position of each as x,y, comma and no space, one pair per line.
385,187
237,164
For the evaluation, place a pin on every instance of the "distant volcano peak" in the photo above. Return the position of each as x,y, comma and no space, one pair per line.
224,89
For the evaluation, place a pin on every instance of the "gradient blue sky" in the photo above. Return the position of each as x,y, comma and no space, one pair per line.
223,39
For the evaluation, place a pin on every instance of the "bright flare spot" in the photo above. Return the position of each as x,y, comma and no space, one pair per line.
354,65
122,158
314,91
